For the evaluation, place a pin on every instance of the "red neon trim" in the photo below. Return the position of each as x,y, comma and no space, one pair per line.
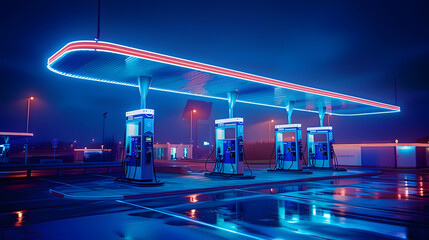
88,45
16,134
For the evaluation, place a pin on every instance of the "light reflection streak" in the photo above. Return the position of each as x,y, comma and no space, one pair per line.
191,220
20,218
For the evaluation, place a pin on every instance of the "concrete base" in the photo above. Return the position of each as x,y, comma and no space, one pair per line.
289,171
329,169
105,187
228,176
140,183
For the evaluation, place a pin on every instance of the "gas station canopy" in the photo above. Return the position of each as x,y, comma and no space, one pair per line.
117,64
14,135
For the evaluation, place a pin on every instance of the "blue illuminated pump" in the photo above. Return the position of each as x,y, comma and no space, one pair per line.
229,145
4,153
320,151
229,149
138,165
138,160
288,148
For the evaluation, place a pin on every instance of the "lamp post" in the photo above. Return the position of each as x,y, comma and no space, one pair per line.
104,120
269,129
193,111
28,120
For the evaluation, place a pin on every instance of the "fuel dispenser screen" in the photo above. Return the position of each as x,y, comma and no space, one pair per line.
149,147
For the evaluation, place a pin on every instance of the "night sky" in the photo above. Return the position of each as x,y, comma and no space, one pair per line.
351,47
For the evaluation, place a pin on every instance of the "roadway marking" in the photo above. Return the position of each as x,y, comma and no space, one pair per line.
191,220
62,183
100,175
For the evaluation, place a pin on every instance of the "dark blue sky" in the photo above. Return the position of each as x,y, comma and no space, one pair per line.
352,47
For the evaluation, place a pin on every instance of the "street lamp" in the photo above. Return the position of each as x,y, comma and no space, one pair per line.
28,110
28,120
269,129
193,111
104,120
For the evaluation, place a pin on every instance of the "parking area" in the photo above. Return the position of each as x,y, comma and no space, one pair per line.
392,205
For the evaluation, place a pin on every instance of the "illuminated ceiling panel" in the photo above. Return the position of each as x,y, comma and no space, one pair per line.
117,64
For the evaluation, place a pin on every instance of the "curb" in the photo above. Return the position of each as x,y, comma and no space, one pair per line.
199,190
77,197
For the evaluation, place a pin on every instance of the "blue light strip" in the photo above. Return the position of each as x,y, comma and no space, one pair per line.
131,57
212,97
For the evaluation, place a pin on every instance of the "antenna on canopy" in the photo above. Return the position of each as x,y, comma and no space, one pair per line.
98,25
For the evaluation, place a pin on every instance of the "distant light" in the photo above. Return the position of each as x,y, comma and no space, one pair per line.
396,141
19,220
193,213
194,110
272,120
193,198
93,139
120,142
31,98
206,143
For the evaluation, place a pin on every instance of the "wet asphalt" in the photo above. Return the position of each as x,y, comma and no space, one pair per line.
393,205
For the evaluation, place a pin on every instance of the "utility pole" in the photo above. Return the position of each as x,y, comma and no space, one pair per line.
97,38
104,121
28,120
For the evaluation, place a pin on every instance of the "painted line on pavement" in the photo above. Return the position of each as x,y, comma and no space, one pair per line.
191,220
62,183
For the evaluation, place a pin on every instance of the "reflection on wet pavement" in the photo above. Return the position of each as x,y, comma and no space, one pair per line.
389,206
344,208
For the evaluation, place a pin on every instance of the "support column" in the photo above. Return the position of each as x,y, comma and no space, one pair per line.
322,111
289,110
144,83
232,98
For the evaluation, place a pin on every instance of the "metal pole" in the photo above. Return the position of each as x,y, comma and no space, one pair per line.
28,112
26,138
98,24
144,83
289,111
104,125
104,119
191,129
232,98
322,111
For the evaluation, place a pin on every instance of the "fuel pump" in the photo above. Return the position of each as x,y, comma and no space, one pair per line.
288,148
320,149
4,153
229,149
138,165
